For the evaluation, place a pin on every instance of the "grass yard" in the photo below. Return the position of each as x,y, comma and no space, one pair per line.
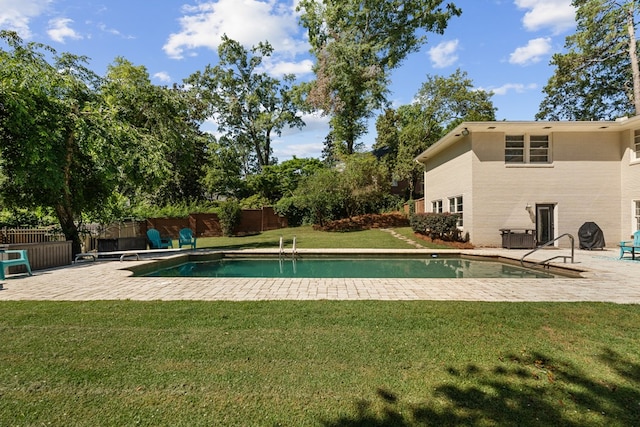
308,238
319,363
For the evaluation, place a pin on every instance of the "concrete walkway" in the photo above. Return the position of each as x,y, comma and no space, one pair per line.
605,278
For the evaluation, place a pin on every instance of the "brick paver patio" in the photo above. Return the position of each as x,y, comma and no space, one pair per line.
605,278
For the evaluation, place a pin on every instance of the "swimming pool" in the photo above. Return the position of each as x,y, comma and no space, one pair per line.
353,267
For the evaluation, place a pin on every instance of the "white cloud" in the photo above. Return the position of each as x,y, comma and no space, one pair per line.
59,30
16,15
248,22
444,54
163,76
558,15
301,150
113,31
512,87
532,52
300,68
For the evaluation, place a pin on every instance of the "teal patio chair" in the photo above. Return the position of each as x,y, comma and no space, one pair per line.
6,261
157,242
187,238
631,246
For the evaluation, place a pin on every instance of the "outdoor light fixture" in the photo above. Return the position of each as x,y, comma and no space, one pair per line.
465,132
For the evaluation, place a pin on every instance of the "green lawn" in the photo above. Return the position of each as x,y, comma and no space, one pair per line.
320,363
308,238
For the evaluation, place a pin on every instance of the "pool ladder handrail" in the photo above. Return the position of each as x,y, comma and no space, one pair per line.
293,249
545,263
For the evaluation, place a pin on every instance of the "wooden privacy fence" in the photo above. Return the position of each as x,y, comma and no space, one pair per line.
208,224
418,204
43,255
29,235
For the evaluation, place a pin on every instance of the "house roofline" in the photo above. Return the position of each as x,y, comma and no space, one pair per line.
457,134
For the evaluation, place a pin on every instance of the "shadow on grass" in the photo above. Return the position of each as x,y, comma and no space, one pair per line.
521,390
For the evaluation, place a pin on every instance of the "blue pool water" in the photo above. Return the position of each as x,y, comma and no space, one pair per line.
348,268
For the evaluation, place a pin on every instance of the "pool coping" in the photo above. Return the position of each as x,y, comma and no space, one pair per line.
562,270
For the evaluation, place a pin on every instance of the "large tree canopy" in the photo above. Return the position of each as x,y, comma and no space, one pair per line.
164,123
597,78
441,104
70,140
357,43
249,107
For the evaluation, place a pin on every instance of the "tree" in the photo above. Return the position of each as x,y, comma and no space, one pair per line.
313,197
357,43
277,181
365,182
449,101
598,77
441,104
168,165
224,172
249,107
48,132
72,141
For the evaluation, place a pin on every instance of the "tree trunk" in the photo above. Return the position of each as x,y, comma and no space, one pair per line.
633,57
67,223
64,209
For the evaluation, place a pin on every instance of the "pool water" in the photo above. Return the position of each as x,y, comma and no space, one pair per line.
349,268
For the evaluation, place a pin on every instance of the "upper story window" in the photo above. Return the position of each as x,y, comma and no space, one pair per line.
514,149
520,149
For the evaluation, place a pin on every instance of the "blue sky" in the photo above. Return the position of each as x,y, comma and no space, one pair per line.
503,45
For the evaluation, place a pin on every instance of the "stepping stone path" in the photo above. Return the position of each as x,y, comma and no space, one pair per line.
405,239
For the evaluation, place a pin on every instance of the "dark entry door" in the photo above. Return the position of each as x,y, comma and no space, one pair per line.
544,223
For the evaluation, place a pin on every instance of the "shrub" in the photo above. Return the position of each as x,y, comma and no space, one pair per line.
436,225
229,213
289,208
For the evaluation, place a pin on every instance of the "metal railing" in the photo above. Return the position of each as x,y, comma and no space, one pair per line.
294,251
545,263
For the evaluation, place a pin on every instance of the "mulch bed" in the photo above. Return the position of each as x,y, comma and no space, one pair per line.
366,222
386,220
455,245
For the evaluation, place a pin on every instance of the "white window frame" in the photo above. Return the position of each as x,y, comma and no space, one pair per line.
437,206
526,149
456,206
636,215
635,145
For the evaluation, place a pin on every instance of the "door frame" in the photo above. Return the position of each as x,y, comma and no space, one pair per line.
545,212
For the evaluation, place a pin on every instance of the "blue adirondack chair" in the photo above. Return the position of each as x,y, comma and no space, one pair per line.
187,238
631,246
157,242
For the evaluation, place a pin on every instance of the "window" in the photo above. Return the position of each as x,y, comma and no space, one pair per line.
455,206
436,206
635,155
636,218
520,149
539,149
514,149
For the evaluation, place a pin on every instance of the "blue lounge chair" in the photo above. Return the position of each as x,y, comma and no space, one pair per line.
187,238
631,246
157,242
